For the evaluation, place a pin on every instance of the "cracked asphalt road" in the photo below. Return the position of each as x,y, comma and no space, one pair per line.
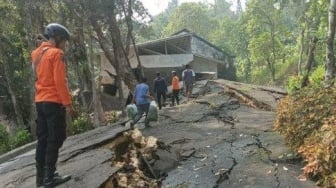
213,141
233,146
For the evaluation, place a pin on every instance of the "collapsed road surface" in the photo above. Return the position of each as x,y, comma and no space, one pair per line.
222,138
225,138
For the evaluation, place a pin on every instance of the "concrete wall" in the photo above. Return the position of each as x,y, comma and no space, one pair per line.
204,65
165,72
202,48
173,60
227,70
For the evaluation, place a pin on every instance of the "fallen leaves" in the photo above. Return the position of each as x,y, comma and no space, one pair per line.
307,121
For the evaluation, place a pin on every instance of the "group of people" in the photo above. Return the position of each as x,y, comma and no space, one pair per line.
160,86
53,100
142,95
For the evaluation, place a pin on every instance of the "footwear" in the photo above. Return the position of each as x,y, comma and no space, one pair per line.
52,179
39,175
132,125
60,179
147,124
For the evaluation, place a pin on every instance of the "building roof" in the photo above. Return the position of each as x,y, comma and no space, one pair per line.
179,43
186,31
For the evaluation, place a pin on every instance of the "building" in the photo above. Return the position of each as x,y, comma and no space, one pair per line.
173,53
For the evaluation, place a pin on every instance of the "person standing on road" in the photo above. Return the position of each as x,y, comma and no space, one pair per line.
188,77
142,99
53,101
160,88
175,88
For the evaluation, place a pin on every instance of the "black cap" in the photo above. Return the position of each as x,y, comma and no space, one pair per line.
54,29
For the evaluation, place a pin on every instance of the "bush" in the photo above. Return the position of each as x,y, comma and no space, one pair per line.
319,152
315,80
307,121
8,143
317,76
4,140
111,116
81,124
293,84
21,138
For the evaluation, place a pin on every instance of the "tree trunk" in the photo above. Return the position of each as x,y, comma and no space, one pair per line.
130,37
31,45
330,61
80,61
301,51
98,116
310,60
271,69
121,60
273,58
19,119
116,57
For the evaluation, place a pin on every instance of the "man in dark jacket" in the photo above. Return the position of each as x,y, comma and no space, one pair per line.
160,88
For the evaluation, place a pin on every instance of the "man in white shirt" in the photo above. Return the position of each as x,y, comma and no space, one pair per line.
188,77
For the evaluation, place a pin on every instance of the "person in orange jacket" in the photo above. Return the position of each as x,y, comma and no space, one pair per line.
175,88
53,101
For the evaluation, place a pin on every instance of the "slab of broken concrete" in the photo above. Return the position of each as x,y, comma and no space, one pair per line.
80,156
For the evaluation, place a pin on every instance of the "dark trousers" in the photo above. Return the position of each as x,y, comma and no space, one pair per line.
176,97
142,108
159,96
51,133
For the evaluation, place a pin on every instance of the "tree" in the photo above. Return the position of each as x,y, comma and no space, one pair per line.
221,9
330,63
263,27
191,16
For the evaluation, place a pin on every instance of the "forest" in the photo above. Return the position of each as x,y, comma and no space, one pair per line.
285,43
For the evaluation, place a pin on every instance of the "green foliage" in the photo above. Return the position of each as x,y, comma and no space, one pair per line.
21,138
4,140
315,80
293,84
81,124
261,76
317,76
191,16
8,143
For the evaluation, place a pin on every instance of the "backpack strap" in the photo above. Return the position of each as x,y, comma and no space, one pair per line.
37,62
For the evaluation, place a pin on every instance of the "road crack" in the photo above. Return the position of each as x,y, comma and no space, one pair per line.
268,152
225,175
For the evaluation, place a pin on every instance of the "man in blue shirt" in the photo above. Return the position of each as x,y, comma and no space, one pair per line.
142,100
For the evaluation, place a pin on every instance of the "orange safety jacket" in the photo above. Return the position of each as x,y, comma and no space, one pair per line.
175,83
51,84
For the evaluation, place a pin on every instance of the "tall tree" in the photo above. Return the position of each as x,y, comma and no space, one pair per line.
191,16
264,28
330,62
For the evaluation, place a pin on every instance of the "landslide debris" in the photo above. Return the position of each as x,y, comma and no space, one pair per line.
134,156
